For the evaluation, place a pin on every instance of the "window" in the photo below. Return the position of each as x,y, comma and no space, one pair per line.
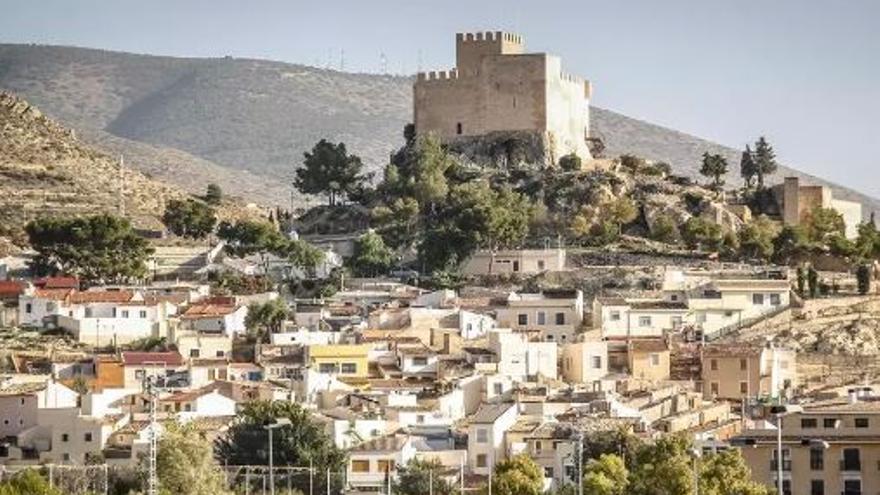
193,353
28,308
614,316
817,487
744,388
498,388
757,299
540,265
420,361
655,359
560,318
597,362
539,446
548,472
113,312
809,423
139,374
327,367
676,322
713,364
87,437
673,298
728,314
775,300
830,423
861,422
482,435
817,459
743,364
385,466
143,313
221,354
125,313
713,388
65,457
360,466
644,321
522,319
852,487
458,128
549,338
851,460
481,460
65,437
420,419
88,312
350,367
542,318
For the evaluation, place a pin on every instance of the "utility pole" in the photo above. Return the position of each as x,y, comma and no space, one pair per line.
121,205
152,483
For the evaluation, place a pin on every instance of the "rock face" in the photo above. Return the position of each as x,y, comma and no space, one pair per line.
505,149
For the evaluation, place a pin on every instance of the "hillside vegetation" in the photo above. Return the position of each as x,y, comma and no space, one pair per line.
237,115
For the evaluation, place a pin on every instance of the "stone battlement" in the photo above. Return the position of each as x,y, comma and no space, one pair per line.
440,75
490,36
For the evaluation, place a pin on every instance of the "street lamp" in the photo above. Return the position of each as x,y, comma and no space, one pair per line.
278,423
695,453
778,412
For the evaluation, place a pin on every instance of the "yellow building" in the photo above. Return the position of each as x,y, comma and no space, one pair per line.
734,371
343,360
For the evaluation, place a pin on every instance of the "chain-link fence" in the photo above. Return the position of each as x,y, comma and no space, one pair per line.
259,480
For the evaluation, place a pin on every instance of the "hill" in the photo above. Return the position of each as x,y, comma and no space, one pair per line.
246,122
46,170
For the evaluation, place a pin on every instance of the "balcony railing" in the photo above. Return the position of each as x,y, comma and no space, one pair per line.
850,465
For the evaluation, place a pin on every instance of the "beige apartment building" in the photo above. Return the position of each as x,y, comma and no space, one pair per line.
737,371
649,359
585,362
556,315
831,447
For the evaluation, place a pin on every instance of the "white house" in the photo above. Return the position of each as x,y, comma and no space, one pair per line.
217,315
486,436
521,359
417,361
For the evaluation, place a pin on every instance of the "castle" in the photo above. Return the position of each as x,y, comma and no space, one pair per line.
498,88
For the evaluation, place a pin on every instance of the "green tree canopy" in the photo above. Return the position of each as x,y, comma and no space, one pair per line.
662,468
189,218
726,473
824,223
518,475
756,238
421,477
302,442
791,243
185,463
868,241
715,168
765,161
267,318
100,248
748,169
328,169
570,162
606,475
27,482
371,256
699,233
213,194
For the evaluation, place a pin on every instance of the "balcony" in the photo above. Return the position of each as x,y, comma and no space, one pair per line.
850,465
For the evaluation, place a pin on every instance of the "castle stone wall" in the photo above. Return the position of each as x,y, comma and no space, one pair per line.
498,88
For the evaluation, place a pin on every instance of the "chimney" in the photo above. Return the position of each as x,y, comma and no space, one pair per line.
853,395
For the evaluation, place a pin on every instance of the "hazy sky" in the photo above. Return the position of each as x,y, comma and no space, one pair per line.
805,73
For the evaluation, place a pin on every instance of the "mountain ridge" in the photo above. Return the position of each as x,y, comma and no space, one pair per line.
248,120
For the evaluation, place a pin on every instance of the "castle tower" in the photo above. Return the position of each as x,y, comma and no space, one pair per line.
497,89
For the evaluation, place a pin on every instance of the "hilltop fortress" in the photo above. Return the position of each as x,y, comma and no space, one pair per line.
496,89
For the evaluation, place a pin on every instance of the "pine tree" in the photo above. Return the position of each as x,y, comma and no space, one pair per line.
765,160
747,167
